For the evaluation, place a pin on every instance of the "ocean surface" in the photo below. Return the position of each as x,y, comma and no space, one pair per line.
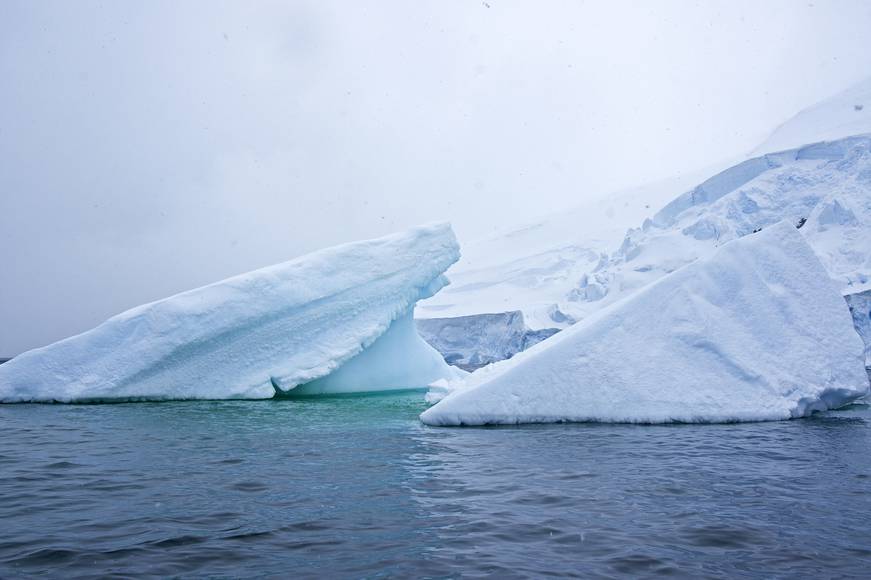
357,487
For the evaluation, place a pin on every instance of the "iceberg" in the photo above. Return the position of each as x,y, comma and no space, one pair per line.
337,320
756,331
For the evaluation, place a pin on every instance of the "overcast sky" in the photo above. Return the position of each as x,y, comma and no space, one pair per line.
150,147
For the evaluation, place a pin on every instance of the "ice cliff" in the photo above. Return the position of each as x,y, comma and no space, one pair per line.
843,114
860,309
823,188
337,320
470,342
755,331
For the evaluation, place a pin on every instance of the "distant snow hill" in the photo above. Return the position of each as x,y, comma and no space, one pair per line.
562,269
847,113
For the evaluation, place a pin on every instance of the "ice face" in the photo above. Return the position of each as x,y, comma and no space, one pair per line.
399,359
823,188
757,331
269,330
470,342
860,309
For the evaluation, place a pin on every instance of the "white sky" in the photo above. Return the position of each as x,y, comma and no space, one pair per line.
150,147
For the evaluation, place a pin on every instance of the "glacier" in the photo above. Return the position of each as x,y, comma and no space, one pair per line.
530,270
814,169
471,342
336,320
734,336
842,114
823,188
860,310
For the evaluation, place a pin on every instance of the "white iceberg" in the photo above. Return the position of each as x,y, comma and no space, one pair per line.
757,331
337,320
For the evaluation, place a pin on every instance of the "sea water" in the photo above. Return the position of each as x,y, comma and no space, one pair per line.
357,487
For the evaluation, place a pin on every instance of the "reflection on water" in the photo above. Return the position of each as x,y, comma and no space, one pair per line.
357,486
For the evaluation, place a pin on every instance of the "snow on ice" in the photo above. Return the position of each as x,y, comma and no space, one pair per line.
825,188
567,266
756,331
846,113
295,326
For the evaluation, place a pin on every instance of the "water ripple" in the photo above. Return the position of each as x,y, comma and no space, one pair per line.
357,487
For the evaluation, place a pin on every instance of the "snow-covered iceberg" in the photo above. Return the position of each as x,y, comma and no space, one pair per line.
756,331
337,320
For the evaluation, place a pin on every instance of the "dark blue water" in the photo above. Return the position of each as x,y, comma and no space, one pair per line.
357,487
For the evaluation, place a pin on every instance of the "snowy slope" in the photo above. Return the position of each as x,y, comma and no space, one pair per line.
562,268
826,187
533,267
847,113
757,331
265,331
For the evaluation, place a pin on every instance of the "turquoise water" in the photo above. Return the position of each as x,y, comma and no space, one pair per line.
357,487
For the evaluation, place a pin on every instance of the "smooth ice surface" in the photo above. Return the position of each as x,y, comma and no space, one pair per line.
757,331
399,359
261,332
